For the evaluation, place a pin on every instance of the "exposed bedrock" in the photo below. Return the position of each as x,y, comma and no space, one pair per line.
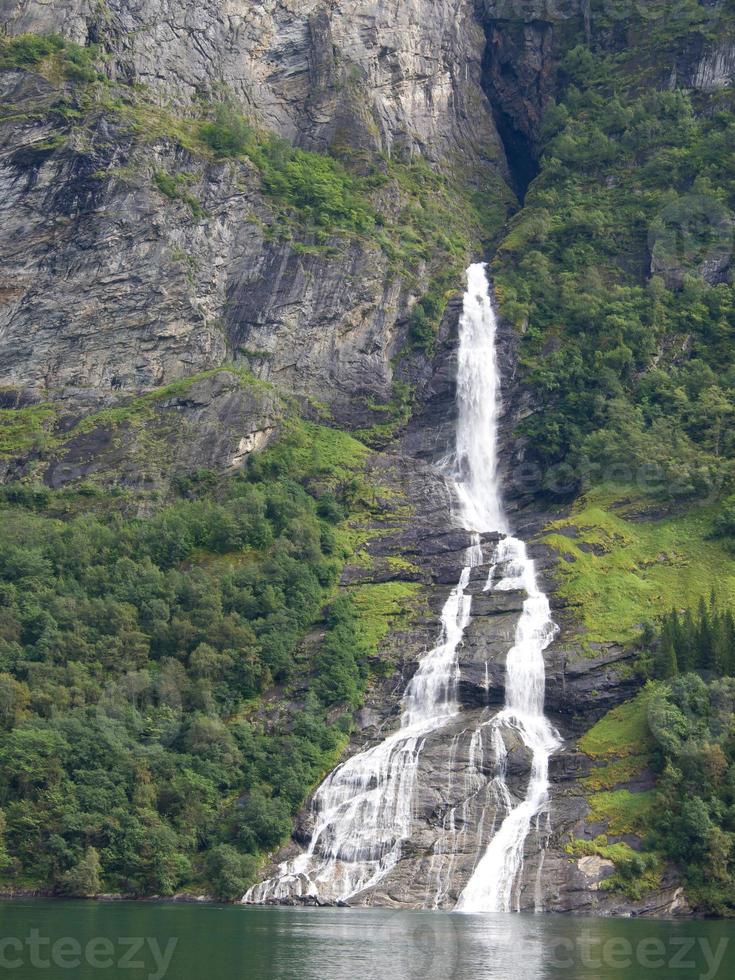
457,803
400,74
107,283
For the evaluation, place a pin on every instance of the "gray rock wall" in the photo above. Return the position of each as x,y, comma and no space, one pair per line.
106,283
299,65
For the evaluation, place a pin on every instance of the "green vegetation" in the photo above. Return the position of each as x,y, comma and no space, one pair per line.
138,409
230,872
622,732
174,187
702,641
621,811
439,212
397,413
612,265
53,54
693,820
680,731
622,748
380,607
635,873
316,186
228,134
427,313
621,570
139,748
24,430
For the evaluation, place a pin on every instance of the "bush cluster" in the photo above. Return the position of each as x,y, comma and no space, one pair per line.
616,268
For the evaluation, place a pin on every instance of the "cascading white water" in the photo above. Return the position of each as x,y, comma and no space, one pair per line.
363,810
475,468
490,889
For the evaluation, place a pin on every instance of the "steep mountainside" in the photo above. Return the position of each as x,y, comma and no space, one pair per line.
179,252
233,239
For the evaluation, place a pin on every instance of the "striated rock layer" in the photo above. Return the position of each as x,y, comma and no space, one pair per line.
106,283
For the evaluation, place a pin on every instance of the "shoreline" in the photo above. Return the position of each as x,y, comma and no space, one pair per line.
181,898
184,898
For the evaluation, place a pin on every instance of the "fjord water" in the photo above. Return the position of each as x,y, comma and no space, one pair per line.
208,942
363,812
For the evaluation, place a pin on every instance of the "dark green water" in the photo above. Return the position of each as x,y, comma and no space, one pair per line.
129,941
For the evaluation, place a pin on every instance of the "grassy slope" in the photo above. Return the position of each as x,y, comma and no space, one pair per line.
618,570
620,745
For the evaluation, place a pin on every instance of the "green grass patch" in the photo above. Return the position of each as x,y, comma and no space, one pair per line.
397,414
622,732
635,875
615,773
621,811
331,451
621,572
52,55
399,564
380,607
174,187
151,122
620,744
137,410
331,457
600,847
23,430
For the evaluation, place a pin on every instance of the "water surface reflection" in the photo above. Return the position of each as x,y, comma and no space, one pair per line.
136,941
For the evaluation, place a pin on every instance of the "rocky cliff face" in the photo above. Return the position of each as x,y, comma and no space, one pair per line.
108,284
116,286
401,74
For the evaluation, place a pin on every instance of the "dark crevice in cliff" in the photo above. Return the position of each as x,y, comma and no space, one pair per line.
520,153
518,78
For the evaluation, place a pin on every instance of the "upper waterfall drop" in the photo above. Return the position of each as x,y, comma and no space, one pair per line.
478,408
363,812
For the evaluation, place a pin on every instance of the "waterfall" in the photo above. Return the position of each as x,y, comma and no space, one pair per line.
363,811
490,888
